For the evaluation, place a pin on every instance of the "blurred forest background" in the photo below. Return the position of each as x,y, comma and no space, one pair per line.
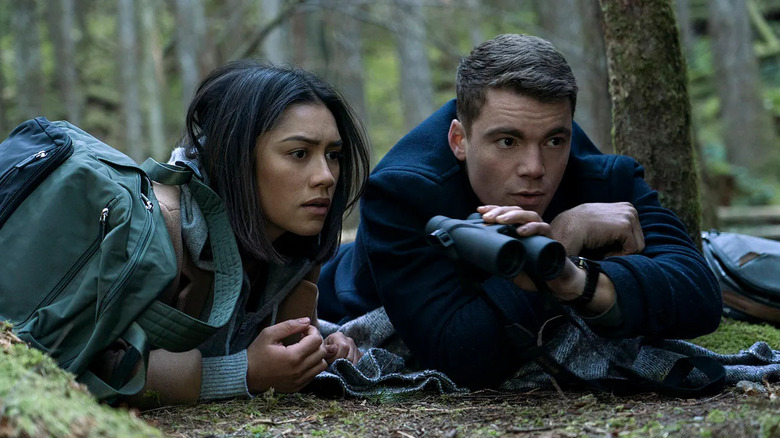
125,70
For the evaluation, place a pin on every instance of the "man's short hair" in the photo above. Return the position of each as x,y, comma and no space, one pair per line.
528,65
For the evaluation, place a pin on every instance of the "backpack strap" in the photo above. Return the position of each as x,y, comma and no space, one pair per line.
168,327
138,348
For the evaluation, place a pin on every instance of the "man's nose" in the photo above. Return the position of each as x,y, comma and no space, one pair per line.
531,162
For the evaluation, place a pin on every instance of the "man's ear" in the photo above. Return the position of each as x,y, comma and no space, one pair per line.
458,140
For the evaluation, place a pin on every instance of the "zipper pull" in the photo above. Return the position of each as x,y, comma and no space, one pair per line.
103,221
147,203
31,158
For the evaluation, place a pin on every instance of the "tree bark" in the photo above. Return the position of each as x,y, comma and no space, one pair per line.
346,67
747,127
28,71
568,24
651,108
416,87
65,55
274,47
128,81
152,80
189,33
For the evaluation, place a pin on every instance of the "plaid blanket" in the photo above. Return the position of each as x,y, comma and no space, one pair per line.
572,344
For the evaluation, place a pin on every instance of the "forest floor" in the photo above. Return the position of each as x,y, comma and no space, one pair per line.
39,400
732,413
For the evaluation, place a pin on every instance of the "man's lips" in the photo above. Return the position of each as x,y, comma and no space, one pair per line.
527,197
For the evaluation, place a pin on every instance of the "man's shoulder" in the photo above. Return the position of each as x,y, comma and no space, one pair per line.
587,161
423,153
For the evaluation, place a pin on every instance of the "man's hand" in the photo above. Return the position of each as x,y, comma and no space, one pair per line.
340,346
528,222
286,369
595,226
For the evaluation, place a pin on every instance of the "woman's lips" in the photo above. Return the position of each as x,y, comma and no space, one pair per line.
319,206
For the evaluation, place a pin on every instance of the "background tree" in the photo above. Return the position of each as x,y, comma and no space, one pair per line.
369,47
746,125
152,78
274,47
568,24
28,67
190,30
415,87
128,81
651,111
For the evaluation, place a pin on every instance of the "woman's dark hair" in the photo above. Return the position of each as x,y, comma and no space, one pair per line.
244,99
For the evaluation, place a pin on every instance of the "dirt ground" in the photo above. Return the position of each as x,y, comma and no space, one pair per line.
733,413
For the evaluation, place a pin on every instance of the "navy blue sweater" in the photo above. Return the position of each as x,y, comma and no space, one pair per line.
667,291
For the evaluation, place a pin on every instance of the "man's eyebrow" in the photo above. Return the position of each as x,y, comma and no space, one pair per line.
504,131
309,140
559,130
519,134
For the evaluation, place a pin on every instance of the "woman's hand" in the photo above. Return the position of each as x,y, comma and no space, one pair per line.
285,368
340,346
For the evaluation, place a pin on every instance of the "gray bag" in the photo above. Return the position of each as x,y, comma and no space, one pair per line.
748,270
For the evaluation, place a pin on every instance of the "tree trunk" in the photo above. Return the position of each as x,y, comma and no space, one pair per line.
416,87
569,22
189,31
128,81
651,109
476,36
747,127
346,67
4,128
28,71
683,10
151,77
274,47
66,78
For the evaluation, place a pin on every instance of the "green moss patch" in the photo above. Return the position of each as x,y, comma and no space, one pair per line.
38,399
733,336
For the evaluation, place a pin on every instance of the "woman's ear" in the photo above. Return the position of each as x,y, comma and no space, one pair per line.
458,140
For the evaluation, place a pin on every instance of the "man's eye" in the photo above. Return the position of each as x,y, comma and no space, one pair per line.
506,142
556,141
298,154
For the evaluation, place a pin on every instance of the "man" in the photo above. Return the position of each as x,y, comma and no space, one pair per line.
509,150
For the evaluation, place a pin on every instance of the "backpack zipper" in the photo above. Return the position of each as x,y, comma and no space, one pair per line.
138,253
54,157
85,257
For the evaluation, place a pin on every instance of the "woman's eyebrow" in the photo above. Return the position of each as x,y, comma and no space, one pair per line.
310,140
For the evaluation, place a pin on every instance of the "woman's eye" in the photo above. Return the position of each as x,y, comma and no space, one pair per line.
298,154
333,155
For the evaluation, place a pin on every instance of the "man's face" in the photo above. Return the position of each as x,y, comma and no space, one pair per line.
517,150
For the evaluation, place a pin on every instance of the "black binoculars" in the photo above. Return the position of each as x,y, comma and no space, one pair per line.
497,248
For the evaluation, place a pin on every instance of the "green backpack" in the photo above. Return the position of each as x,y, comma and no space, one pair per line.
86,253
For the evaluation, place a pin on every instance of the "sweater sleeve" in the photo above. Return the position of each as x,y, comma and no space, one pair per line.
224,377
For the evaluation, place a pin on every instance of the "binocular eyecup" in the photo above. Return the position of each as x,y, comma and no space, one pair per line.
497,248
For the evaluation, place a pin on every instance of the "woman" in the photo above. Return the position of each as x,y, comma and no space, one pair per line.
288,157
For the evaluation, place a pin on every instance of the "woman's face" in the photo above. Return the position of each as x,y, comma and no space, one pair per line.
296,168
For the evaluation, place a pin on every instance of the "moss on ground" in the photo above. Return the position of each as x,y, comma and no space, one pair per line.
38,399
733,336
